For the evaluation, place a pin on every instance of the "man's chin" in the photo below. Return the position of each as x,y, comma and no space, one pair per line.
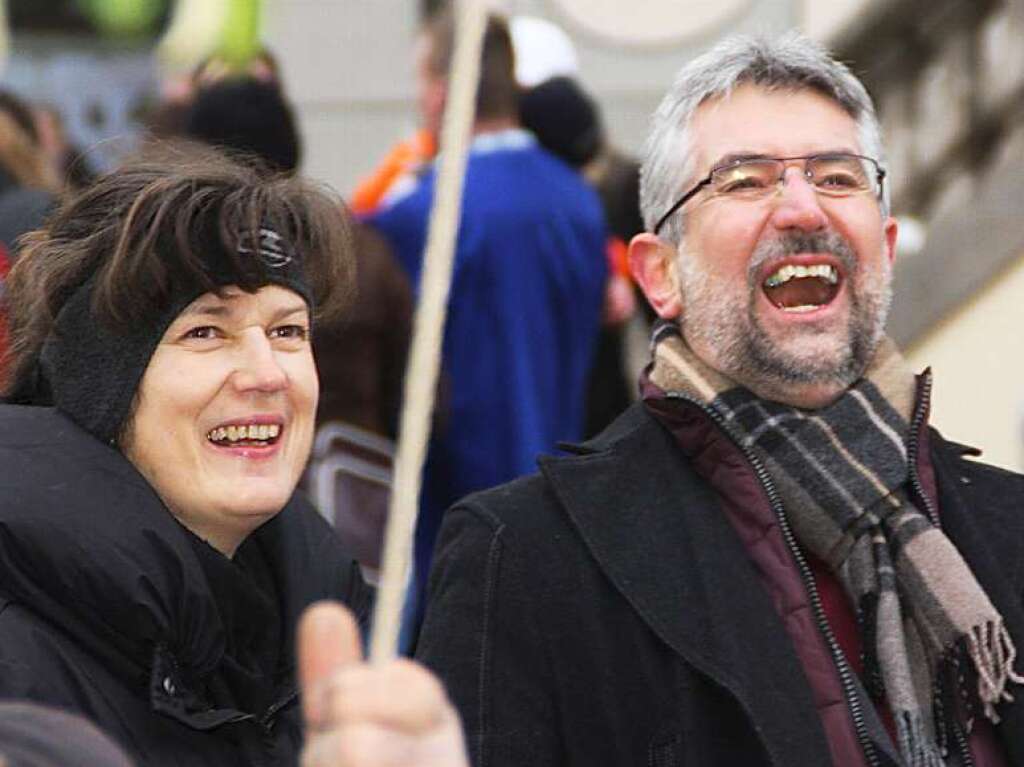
806,396
810,373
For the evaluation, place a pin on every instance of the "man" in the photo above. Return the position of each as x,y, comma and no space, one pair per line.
771,560
526,294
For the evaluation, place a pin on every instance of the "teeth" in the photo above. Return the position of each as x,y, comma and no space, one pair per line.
789,271
799,309
255,432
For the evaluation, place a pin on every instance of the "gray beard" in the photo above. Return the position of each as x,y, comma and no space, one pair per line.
748,354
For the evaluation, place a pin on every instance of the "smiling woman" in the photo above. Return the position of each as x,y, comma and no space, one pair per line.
154,557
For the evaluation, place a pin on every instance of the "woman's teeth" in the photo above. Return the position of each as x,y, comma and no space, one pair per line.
249,433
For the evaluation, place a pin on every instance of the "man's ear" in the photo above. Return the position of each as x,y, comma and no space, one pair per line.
889,231
652,262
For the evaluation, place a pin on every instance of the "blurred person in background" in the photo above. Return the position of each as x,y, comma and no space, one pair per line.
567,123
68,162
28,184
154,557
526,294
246,115
28,191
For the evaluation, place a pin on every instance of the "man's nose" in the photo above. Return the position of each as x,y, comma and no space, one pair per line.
797,205
258,368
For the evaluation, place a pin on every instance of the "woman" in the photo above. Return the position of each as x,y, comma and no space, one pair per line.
153,558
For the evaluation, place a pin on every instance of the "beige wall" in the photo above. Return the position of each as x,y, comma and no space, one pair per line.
977,357
822,19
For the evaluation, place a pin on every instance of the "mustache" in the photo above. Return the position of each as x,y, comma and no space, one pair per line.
778,248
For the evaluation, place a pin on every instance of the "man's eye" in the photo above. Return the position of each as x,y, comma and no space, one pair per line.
738,183
838,181
297,332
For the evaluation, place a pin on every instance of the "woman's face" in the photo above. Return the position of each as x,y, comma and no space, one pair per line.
224,419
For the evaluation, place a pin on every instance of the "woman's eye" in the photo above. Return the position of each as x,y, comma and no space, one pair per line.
296,332
202,333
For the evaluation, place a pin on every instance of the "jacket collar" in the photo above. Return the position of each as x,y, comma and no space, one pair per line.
655,529
1000,574
86,543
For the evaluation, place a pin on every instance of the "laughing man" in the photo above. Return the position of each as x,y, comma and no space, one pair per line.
772,559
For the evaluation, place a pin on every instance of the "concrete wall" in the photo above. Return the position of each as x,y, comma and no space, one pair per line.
977,358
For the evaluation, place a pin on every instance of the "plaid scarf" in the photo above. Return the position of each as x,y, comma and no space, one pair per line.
842,474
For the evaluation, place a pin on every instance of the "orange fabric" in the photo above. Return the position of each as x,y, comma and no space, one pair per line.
403,158
618,258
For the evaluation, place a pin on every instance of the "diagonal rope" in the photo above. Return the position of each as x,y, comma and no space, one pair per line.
424,358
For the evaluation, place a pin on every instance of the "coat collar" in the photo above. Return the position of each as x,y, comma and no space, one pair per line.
87,544
656,530
1000,572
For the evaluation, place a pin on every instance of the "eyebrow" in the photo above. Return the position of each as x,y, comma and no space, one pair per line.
734,157
224,309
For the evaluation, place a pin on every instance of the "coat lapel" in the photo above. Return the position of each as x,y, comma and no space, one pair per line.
657,532
995,573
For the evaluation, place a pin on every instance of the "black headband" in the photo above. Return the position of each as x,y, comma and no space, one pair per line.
92,372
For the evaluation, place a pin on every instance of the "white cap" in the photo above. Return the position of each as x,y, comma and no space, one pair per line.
543,50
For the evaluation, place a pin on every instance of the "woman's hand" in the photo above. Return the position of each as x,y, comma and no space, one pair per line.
362,715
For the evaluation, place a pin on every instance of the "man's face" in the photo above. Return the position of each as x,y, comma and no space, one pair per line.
431,88
804,342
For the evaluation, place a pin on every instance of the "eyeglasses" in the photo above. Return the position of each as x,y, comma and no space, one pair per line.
835,175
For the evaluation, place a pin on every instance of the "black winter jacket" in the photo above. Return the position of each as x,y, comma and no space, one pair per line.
112,609
605,612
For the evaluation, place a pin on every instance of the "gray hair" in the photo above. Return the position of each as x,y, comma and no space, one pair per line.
791,61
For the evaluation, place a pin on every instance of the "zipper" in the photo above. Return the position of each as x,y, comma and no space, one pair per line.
917,421
846,675
271,712
961,742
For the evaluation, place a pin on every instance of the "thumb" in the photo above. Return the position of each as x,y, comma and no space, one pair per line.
328,639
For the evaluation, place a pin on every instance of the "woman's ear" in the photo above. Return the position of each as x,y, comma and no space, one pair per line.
652,262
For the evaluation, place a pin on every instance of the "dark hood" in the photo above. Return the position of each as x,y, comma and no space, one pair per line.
86,543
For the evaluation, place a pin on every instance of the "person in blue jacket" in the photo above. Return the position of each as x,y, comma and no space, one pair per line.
527,290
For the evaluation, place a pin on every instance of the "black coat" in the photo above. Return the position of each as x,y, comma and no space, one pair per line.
604,612
112,609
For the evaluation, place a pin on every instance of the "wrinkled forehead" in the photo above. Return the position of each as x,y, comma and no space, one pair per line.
753,120
232,302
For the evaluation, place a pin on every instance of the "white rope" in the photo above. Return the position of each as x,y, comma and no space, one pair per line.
424,357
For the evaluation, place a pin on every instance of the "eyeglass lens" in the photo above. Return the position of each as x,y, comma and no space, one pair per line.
830,174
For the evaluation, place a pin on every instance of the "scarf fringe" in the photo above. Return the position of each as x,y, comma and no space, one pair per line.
992,651
916,745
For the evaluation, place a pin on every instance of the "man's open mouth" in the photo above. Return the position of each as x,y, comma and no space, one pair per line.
797,288
245,435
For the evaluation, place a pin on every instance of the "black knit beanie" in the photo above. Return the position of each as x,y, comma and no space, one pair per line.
564,119
91,372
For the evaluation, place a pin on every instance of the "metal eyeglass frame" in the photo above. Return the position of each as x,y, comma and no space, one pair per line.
879,177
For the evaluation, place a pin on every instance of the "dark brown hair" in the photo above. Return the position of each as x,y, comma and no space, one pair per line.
498,93
143,230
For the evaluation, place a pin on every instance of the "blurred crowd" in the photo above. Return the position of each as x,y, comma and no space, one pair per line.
533,352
